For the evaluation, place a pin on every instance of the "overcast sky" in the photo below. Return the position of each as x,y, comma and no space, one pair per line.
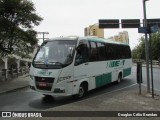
70,17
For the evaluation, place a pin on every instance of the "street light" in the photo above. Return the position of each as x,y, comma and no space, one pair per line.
146,46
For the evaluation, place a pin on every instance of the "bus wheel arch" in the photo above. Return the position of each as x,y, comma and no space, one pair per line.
119,77
83,88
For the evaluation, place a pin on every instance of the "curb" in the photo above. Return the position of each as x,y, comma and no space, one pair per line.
13,90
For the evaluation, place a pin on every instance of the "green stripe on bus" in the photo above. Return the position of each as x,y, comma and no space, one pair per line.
126,72
103,79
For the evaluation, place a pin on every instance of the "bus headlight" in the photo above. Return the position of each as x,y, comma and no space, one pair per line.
63,78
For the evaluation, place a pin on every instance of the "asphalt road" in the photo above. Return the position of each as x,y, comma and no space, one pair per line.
28,100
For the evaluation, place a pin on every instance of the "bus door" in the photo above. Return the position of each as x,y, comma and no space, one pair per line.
81,62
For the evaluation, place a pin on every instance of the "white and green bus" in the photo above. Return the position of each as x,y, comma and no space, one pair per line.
68,66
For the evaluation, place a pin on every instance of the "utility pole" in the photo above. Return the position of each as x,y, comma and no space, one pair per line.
43,33
146,47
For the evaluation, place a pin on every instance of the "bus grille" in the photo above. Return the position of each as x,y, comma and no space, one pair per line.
44,83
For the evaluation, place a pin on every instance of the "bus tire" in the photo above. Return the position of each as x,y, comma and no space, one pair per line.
47,96
119,78
82,91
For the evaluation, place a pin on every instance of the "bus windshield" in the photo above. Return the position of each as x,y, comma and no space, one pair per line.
55,53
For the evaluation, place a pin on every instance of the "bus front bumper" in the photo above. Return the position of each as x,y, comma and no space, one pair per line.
56,92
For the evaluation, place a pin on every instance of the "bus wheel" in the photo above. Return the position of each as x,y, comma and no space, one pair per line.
47,96
82,91
119,78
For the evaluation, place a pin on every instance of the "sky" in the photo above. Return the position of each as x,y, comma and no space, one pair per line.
70,17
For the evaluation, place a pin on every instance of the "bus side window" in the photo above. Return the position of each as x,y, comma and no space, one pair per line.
82,53
109,52
129,52
93,52
101,51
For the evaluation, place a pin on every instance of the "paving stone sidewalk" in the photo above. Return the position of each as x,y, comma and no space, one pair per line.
14,84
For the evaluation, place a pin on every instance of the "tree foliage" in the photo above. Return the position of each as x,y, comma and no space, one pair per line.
17,19
139,51
155,43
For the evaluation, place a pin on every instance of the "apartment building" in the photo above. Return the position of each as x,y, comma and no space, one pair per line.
121,37
93,30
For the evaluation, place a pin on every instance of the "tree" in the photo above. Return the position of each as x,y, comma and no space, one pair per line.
155,43
17,19
139,51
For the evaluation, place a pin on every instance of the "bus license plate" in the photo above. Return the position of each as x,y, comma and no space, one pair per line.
42,84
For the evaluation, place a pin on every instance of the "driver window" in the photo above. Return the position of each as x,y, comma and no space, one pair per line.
82,53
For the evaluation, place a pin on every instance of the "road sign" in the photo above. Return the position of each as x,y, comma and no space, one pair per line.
154,29
109,23
152,22
142,30
130,23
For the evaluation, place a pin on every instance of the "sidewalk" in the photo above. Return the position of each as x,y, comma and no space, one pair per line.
14,84
125,99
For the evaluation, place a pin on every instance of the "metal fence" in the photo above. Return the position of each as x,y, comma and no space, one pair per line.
154,62
6,74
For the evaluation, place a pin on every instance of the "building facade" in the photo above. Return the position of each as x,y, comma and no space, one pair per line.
93,30
121,37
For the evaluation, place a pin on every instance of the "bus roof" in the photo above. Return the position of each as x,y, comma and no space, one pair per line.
90,38
64,38
96,39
